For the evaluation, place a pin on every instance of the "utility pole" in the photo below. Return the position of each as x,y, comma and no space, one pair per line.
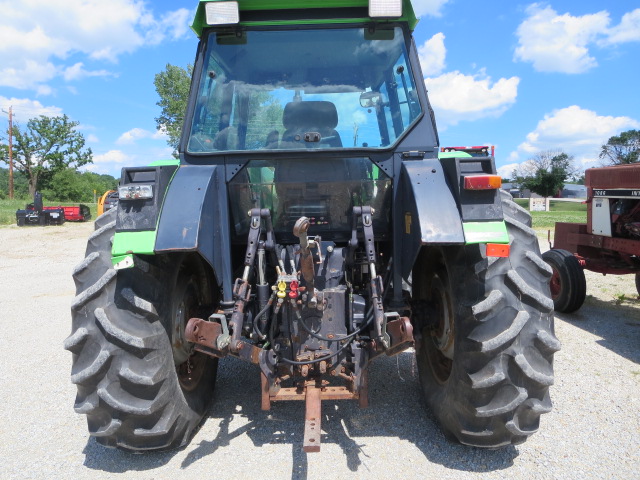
10,152
10,112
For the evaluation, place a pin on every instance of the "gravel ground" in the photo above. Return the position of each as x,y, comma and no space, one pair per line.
593,431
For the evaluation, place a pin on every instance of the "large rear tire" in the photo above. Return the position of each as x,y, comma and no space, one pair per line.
568,283
486,337
139,384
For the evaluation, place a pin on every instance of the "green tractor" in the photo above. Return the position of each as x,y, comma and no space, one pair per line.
311,225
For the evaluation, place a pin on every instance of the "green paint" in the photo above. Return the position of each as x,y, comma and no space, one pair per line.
133,242
199,22
122,261
163,163
485,232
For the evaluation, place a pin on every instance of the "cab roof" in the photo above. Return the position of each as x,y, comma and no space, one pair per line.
305,12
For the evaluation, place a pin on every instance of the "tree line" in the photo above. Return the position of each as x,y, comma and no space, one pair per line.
545,173
68,185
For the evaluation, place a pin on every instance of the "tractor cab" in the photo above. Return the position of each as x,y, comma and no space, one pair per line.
307,107
316,88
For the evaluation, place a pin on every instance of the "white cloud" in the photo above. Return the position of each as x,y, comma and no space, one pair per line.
77,71
26,74
92,138
112,156
24,108
38,36
561,43
432,54
428,7
131,136
576,131
456,97
558,43
627,31
44,90
112,161
506,171
174,25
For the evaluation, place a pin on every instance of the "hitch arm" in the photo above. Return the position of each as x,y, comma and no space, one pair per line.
306,259
376,288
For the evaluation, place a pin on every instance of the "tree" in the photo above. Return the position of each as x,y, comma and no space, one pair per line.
46,146
622,149
172,86
69,185
20,185
545,173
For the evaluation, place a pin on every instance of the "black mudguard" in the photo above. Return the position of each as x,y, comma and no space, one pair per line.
195,218
430,212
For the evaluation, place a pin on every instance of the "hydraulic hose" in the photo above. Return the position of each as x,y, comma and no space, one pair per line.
260,313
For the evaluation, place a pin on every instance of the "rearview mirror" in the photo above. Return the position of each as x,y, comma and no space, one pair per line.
370,99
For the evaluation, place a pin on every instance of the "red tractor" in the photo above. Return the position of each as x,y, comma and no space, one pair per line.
609,243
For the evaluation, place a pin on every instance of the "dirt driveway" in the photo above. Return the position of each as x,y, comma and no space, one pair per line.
593,431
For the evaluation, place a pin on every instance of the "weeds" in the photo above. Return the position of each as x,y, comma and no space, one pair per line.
620,298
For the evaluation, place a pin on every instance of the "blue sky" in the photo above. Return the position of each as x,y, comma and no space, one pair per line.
523,76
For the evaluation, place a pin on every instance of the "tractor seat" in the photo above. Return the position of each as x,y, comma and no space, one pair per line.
307,119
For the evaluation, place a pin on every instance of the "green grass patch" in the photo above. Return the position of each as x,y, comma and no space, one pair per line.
560,211
547,220
8,209
558,206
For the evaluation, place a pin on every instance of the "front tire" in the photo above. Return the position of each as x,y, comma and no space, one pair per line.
486,339
138,385
568,283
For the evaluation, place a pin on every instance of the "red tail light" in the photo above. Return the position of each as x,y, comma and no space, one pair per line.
482,182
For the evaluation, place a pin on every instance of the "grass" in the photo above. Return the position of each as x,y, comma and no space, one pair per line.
8,209
560,211
619,298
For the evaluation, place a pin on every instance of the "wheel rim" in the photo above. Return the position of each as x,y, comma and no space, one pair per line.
439,339
555,284
191,371
190,365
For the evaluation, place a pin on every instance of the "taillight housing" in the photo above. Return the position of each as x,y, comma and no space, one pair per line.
482,182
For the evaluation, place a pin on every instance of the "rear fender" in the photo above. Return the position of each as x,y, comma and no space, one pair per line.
195,218
430,212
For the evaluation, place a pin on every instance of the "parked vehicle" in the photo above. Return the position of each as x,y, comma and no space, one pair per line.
36,214
107,201
73,213
609,243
